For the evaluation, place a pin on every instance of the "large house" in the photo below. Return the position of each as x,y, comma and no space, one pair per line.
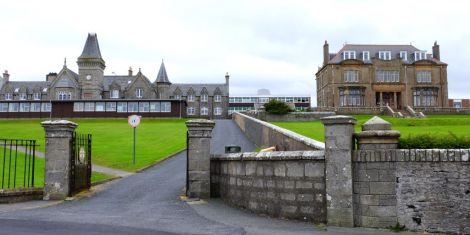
91,93
366,76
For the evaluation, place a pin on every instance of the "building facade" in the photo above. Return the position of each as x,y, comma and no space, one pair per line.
253,102
91,91
380,75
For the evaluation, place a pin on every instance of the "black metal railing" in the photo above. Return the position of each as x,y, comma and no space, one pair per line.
17,163
80,163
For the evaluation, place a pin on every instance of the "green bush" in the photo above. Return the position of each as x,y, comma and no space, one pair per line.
277,107
427,141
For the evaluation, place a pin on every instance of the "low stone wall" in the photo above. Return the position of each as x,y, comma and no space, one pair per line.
20,195
442,110
279,184
351,110
264,134
423,189
289,117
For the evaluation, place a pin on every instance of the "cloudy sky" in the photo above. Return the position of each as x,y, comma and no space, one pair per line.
262,44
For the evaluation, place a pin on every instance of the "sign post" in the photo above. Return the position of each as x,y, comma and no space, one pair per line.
134,121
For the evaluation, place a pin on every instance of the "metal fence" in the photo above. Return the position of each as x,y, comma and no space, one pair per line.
80,163
17,158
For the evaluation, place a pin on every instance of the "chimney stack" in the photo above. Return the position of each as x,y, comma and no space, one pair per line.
326,53
6,76
227,80
130,71
51,76
436,54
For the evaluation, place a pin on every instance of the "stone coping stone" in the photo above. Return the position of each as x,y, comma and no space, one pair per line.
338,119
378,133
412,155
59,122
376,123
300,138
270,156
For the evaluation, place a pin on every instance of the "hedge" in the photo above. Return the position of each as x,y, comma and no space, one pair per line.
428,141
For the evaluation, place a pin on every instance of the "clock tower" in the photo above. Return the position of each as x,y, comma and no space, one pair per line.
91,69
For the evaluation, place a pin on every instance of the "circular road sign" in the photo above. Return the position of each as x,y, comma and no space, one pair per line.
134,120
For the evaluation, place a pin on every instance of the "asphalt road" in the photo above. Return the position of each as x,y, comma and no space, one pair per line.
148,203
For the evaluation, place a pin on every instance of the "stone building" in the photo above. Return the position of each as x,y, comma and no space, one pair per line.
90,84
380,75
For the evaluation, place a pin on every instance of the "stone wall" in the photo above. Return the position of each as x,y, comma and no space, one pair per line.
264,135
20,195
289,117
424,189
279,184
439,110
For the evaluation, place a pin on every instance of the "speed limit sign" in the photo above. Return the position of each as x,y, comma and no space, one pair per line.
134,120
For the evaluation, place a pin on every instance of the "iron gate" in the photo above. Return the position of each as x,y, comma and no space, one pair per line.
80,163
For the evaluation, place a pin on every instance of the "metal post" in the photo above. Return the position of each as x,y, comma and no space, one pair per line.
134,147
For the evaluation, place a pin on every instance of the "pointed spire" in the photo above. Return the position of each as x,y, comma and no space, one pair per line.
162,75
92,48
65,62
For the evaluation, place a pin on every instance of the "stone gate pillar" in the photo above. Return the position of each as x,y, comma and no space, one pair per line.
339,145
198,173
57,158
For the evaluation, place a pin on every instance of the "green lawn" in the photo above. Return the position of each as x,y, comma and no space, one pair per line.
113,138
432,124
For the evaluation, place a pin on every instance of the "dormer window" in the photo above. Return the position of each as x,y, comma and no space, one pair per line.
139,92
190,98
114,94
217,98
404,55
62,95
177,97
365,55
8,96
37,96
204,97
385,55
420,55
23,96
347,55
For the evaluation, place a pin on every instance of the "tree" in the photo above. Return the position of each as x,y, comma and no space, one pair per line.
277,107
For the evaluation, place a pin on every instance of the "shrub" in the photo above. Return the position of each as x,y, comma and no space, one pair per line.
427,141
277,107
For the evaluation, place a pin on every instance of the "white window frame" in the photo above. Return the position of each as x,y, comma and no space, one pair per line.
36,96
217,98
204,111
351,76
139,92
114,94
204,98
190,111
217,111
23,96
420,55
191,98
8,96
63,95
347,55
404,55
365,55
385,55
424,76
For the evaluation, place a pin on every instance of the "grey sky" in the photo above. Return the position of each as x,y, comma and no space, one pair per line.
262,44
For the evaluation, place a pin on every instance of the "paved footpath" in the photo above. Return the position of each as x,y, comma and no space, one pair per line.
148,203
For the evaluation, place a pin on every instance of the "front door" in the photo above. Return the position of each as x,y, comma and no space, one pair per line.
391,99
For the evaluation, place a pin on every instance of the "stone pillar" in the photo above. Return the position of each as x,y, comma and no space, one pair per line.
198,172
381,100
377,134
339,144
395,100
57,158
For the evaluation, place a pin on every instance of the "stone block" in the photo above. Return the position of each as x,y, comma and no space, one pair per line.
289,184
280,169
287,196
270,184
319,197
387,200
288,210
319,186
300,184
369,199
258,183
271,195
306,210
268,169
382,211
387,176
377,165
368,175
259,170
314,169
250,168
295,169
253,205
382,187
305,197
370,222
361,187
198,175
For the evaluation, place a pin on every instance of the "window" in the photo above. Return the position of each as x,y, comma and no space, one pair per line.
190,98
110,106
133,107
99,106
13,107
114,94
218,111
351,97
347,55
178,97
204,111
139,92
425,97
37,96
423,76
166,107
204,97
155,107
46,107
78,106
24,107
263,100
35,107
387,76
122,107
190,111
144,106
457,104
385,55
365,55
8,96
3,107
89,106
351,76
62,95
23,96
217,98
420,55
404,55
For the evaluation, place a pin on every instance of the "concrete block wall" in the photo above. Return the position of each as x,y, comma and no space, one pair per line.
424,189
264,135
278,184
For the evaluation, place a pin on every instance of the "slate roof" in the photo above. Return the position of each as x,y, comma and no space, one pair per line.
211,88
162,76
374,52
92,48
123,81
30,85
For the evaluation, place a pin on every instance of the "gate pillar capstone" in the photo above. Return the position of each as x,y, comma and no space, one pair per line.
339,144
57,158
198,172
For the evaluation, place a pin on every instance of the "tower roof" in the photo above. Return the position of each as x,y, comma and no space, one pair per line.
92,48
162,76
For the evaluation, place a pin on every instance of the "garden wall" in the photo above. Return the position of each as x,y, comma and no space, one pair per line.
20,195
289,117
279,184
264,135
442,110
